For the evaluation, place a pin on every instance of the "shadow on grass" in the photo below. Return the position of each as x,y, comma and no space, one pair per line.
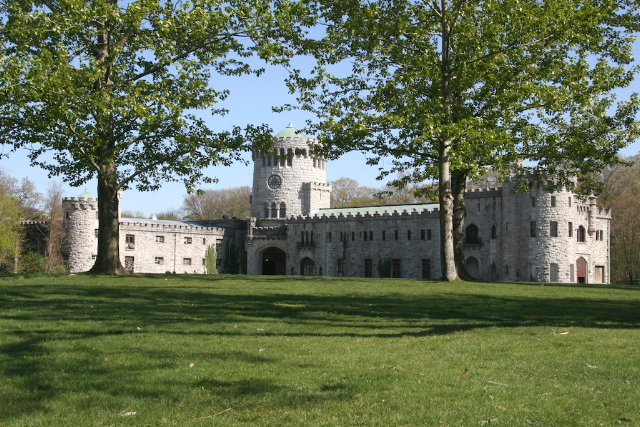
85,311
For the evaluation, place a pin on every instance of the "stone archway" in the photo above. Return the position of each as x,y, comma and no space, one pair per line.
307,267
473,267
274,261
581,268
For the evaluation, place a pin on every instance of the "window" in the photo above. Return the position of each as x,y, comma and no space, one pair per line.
159,260
188,240
289,157
159,239
204,241
472,235
569,201
353,236
129,263
370,235
366,236
266,210
283,210
494,232
422,234
554,270
428,234
581,235
186,261
553,228
408,234
328,236
533,201
130,242
274,211
396,235
553,201
341,269
95,232
533,231
368,268
570,228
426,269
384,235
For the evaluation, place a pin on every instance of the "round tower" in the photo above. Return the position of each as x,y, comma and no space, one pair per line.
291,180
81,223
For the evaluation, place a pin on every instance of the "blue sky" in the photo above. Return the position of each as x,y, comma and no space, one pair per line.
250,101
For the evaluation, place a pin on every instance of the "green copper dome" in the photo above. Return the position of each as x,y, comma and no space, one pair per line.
290,132
87,195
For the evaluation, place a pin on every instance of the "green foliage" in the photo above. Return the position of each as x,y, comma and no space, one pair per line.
237,351
446,88
384,267
216,204
10,229
111,88
31,262
211,259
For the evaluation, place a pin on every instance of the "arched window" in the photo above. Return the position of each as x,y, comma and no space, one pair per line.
282,157
581,234
283,210
274,211
289,157
266,210
471,235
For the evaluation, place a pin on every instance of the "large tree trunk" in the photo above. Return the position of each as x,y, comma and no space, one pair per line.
447,254
459,187
108,258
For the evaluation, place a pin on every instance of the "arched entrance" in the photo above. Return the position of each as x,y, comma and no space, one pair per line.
307,267
274,261
581,267
473,267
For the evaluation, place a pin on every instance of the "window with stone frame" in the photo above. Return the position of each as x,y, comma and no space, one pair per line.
130,242
581,234
186,261
553,228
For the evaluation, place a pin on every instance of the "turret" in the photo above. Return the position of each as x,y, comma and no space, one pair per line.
291,180
81,223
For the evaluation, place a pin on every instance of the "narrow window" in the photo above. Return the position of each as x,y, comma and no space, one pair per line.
266,210
569,201
554,271
422,234
553,201
553,228
428,234
534,232
533,201
384,235
283,210
328,236
371,235
408,234
274,211
204,241
366,236
570,228
282,157
581,234
494,232
289,157
353,236
396,235
96,232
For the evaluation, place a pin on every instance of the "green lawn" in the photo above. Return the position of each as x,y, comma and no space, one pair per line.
252,350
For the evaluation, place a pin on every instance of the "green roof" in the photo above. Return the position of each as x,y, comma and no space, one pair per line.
388,209
87,195
290,132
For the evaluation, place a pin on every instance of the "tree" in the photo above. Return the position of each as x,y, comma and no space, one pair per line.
56,232
347,192
619,189
216,204
109,89
447,87
10,231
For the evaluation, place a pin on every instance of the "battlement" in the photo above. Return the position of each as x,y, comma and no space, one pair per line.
370,215
484,192
81,203
167,227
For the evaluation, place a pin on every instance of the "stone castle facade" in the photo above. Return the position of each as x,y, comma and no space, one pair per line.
534,236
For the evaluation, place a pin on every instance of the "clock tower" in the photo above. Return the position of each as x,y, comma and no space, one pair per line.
290,180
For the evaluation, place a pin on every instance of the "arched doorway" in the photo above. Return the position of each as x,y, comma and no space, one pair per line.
581,267
274,261
307,267
473,267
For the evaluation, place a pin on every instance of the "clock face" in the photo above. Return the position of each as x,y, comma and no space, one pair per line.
274,181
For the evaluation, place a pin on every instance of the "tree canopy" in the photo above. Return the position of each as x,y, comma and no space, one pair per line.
110,90
446,87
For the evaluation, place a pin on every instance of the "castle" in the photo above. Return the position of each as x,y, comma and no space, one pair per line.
534,236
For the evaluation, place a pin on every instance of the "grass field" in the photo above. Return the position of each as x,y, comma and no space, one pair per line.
258,350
